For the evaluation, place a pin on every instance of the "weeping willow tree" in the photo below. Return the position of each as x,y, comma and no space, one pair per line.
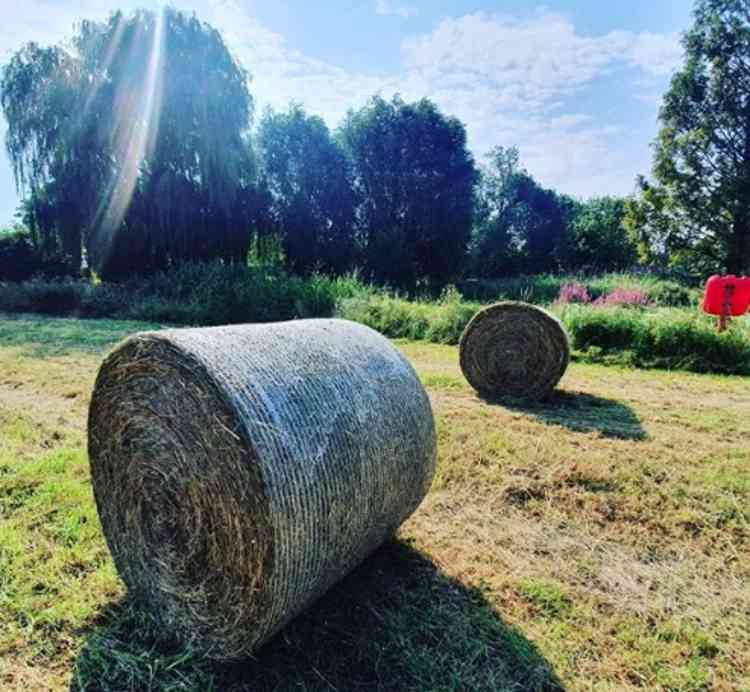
132,142
39,94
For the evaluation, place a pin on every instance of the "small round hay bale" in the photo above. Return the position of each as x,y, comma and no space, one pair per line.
514,349
241,471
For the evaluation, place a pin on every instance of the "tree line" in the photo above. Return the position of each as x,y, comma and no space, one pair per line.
134,147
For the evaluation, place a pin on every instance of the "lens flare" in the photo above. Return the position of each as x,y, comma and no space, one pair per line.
137,109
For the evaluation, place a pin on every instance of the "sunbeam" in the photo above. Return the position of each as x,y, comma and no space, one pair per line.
112,49
137,112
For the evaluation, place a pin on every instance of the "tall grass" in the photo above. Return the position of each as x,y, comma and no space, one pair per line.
193,294
649,335
663,338
672,338
438,322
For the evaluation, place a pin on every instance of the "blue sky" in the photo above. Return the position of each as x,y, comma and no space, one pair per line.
575,84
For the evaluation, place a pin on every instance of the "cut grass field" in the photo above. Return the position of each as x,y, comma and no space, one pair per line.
597,541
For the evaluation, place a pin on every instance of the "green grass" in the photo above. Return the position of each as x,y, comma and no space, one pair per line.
662,336
44,337
600,540
656,337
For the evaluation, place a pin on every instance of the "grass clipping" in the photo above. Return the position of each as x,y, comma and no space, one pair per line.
241,471
514,349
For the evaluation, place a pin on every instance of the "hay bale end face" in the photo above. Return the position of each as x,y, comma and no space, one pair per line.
241,471
514,349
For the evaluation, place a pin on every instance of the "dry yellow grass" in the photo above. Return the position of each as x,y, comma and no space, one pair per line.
599,541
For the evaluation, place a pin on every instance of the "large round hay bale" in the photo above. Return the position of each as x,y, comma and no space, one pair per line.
514,349
240,471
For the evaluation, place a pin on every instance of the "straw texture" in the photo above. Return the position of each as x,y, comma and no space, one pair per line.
514,349
240,471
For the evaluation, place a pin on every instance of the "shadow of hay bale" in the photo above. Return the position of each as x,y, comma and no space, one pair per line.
396,623
580,412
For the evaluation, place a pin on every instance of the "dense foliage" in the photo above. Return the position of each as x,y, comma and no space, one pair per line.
313,202
697,208
131,143
205,293
520,226
415,177
598,240
22,257
19,259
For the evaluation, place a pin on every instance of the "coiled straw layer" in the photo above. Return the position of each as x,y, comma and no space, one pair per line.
514,349
240,471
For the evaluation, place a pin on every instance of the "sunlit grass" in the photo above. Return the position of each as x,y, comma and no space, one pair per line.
599,539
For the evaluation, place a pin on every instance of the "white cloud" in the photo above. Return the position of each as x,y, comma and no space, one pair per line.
537,59
519,82
385,8
657,54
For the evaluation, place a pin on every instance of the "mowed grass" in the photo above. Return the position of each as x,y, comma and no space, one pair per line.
597,541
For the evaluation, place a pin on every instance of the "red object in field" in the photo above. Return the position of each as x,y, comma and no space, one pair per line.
727,296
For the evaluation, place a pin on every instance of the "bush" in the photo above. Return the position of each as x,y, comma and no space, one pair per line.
392,316
40,295
573,293
664,338
193,294
543,289
538,289
625,298
18,258
670,293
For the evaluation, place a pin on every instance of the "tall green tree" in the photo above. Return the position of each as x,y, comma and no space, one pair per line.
699,201
133,141
40,96
309,178
598,237
520,225
542,219
415,178
495,245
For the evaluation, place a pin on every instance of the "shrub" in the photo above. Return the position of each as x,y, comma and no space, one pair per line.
192,294
40,295
624,297
609,330
664,338
392,316
441,322
546,288
538,289
18,258
447,323
670,293
573,293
